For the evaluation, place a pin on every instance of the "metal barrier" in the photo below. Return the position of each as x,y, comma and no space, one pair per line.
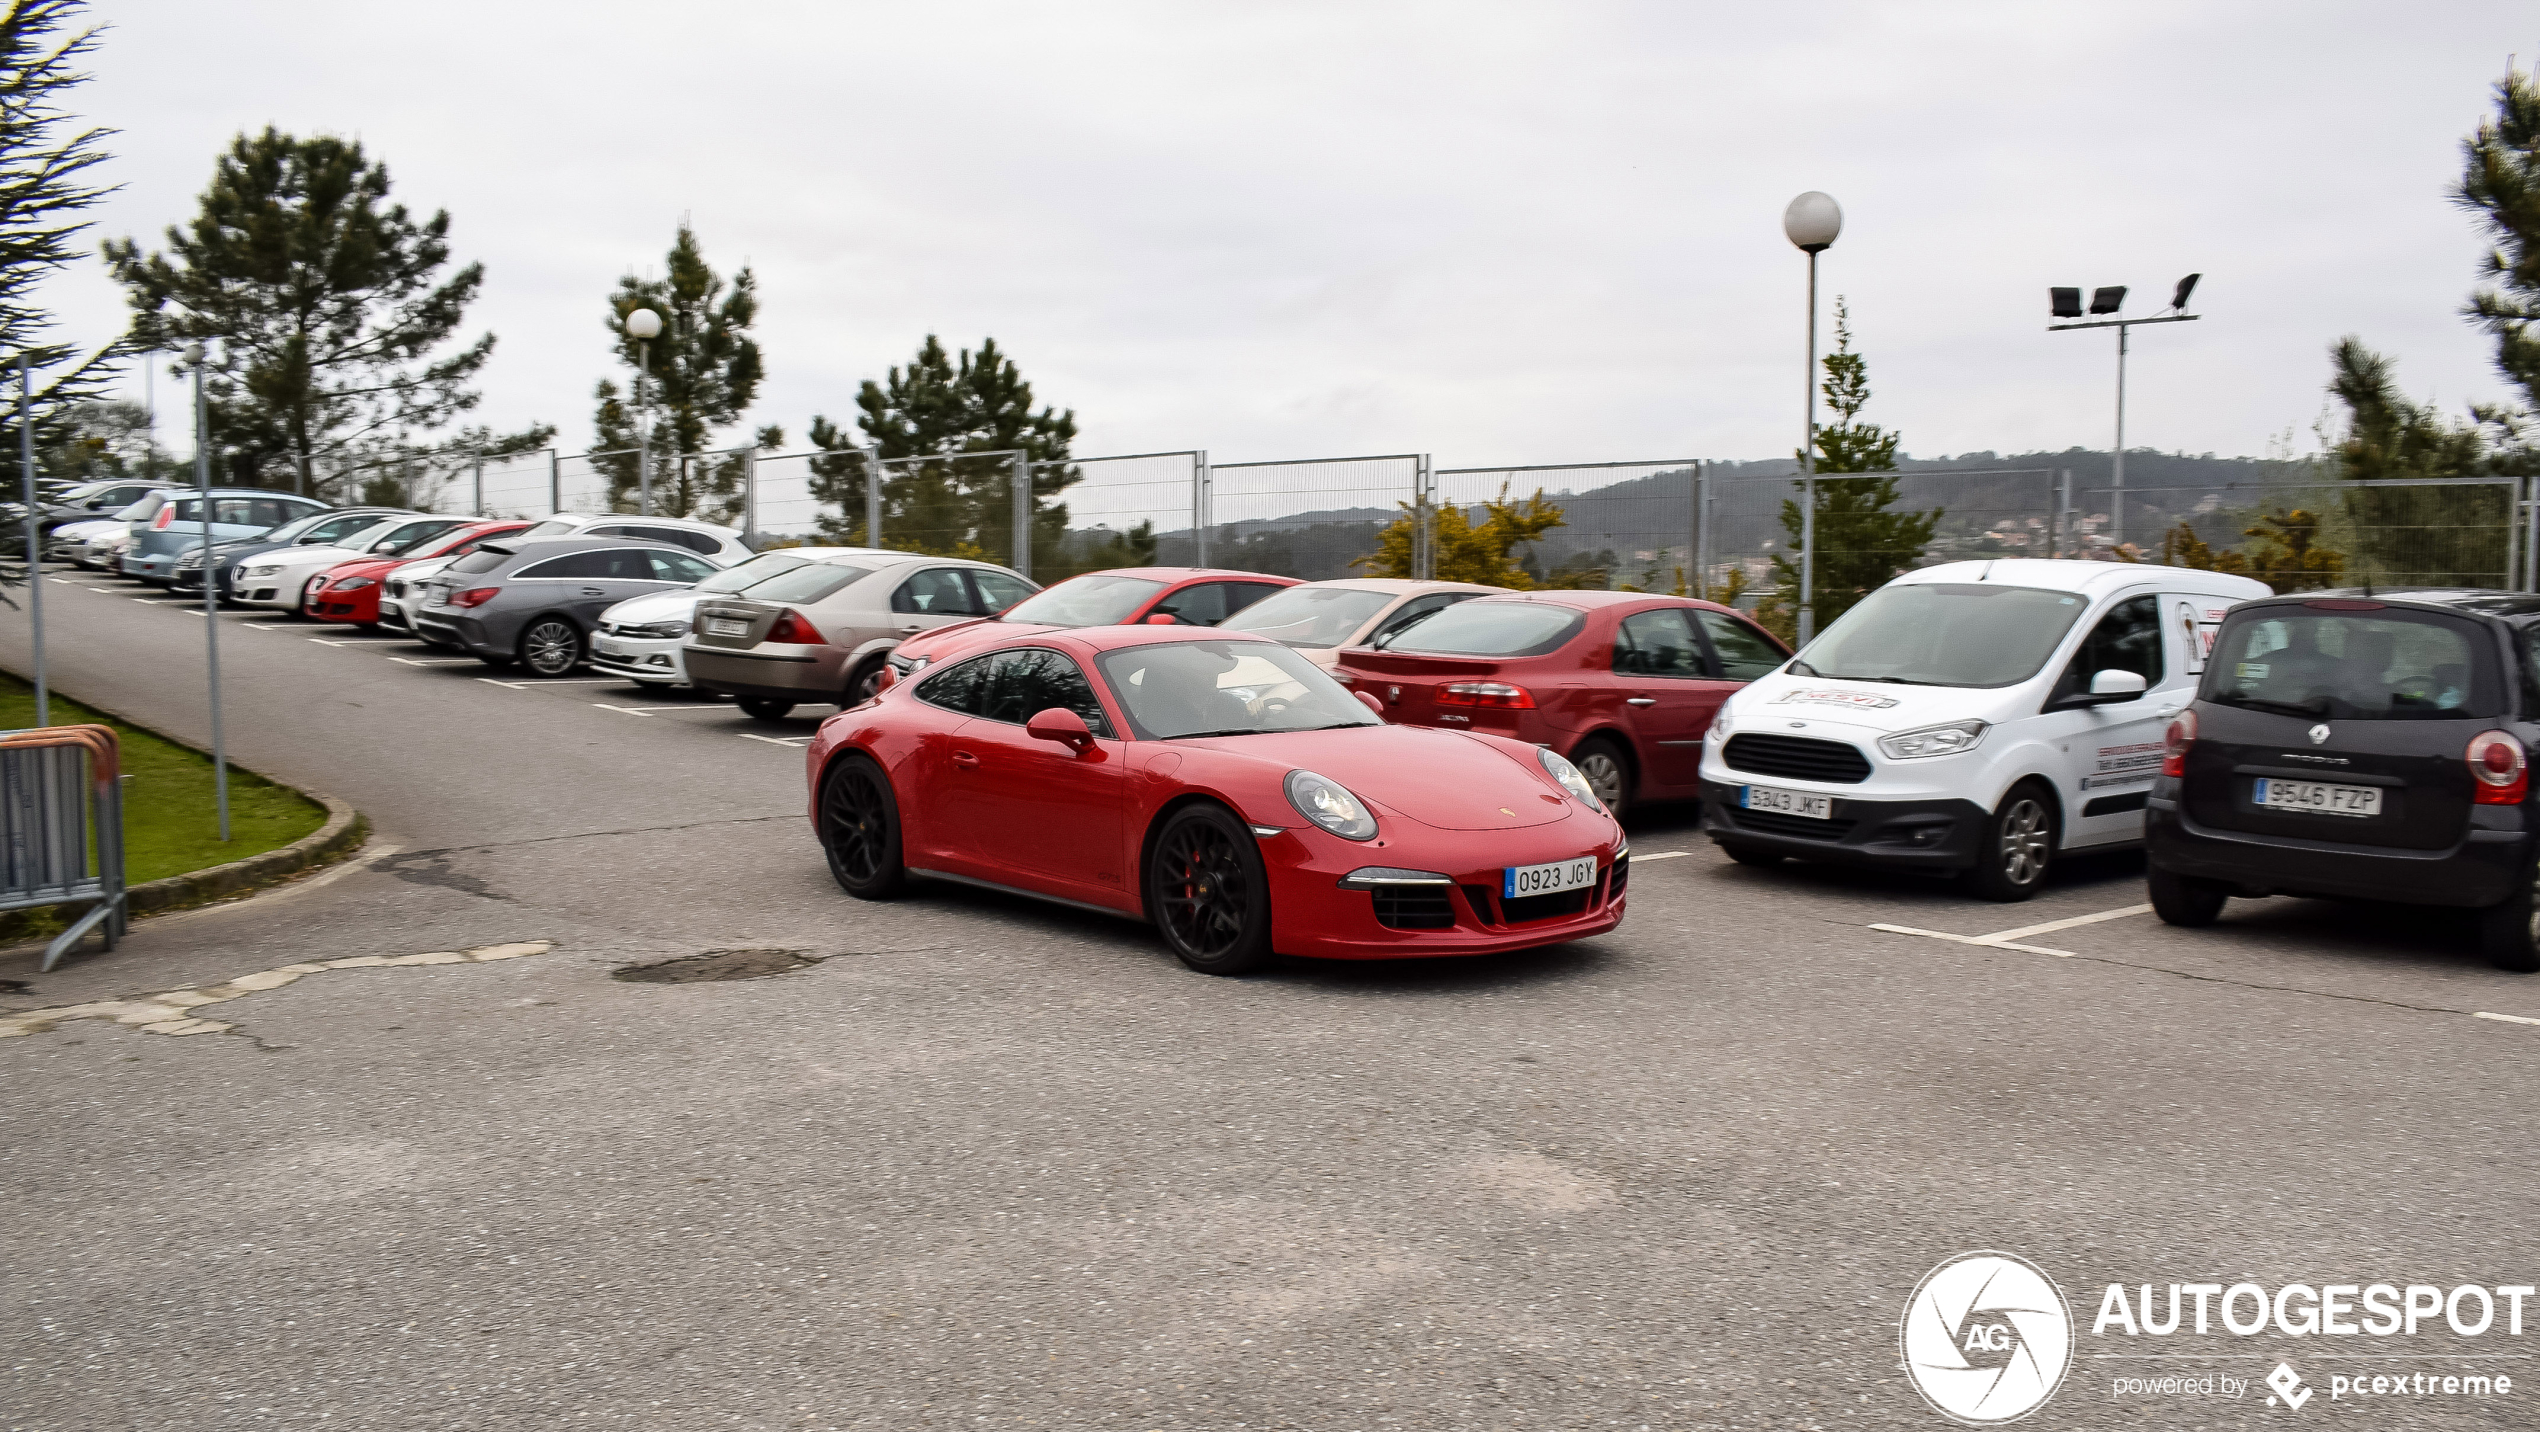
1634,527
61,801
2415,532
1316,517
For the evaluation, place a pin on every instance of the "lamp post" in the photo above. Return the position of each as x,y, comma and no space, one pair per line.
211,588
2066,303
1812,222
643,325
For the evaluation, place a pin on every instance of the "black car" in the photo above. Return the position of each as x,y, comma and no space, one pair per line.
2359,745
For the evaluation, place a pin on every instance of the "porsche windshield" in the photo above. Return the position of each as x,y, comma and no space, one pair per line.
1944,634
1226,688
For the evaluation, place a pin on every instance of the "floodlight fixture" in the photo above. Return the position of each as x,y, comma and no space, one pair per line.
2065,302
2107,300
2186,286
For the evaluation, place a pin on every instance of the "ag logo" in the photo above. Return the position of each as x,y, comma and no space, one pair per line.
1987,1338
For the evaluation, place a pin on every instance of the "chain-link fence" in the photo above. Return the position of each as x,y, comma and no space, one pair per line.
1623,524
2426,532
1316,518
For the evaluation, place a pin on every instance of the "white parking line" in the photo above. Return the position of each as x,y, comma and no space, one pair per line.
322,641
255,626
2009,939
2506,1018
789,742
1660,855
641,710
434,660
1985,940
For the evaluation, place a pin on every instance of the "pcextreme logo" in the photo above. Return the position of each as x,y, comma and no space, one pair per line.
1987,1338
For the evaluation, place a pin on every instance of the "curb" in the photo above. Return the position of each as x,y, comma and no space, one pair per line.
346,830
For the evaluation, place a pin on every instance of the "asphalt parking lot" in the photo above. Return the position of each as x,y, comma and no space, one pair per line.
978,1162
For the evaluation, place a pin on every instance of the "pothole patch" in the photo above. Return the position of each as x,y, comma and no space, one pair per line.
169,1012
718,965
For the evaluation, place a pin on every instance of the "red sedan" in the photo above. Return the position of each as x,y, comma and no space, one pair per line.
1122,596
349,591
1623,683
1225,789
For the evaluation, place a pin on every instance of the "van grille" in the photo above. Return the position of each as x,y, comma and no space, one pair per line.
1799,758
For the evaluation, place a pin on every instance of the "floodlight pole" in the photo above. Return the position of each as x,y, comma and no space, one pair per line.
2116,483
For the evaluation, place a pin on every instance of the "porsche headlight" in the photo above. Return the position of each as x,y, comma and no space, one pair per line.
1330,805
1559,768
1946,740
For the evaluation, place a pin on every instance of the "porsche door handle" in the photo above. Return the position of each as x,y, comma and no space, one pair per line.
965,760
1640,700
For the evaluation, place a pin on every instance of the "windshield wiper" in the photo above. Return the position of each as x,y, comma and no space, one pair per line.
1229,731
2316,706
1889,680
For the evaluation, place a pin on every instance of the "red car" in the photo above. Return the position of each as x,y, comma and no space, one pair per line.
1623,683
349,591
1222,787
1122,596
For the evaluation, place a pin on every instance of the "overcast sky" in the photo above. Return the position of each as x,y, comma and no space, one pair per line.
1494,232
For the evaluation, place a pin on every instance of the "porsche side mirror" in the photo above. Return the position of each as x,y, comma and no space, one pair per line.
1372,703
2121,685
1164,619
1061,725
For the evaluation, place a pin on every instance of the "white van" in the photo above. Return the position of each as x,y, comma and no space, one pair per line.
1976,718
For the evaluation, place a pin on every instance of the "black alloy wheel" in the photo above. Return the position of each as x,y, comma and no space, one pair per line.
1208,892
2017,846
860,829
765,708
1608,768
551,646
2183,900
2509,934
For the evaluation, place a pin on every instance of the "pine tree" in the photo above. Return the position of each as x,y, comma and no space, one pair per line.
1861,541
45,159
322,307
940,407
2446,536
704,372
2500,182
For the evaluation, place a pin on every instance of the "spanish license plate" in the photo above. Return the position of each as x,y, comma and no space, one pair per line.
1773,798
1519,881
726,626
606,647
437,594
2317,797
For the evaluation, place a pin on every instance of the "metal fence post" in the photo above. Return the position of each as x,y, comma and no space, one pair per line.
479,508
1424,563
1021,482
1698,553
555,482
2062,531
749,495
872,497
1199,508
2531,540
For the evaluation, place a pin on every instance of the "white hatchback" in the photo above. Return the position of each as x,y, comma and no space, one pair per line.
280,578
640,637
1974,718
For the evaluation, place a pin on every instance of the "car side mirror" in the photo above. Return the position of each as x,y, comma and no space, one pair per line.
1372,703
2117,685
1063,726
1164,619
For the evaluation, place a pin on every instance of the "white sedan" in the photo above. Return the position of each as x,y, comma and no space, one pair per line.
640,637
280,578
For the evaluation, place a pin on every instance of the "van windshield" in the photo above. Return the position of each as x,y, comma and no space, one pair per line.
2373,664
1944,634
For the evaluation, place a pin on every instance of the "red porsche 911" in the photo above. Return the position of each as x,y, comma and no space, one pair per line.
1223,788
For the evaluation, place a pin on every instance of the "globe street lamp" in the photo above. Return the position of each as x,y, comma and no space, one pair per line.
643,325
1812,222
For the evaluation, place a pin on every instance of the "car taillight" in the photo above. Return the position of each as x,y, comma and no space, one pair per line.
167,514
1497,694
2174,744
792,628
1343,677
476,596
2497,767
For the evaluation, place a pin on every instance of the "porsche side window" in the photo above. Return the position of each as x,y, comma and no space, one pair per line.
963,688
2128,638
1022,684
1657,644
1739,652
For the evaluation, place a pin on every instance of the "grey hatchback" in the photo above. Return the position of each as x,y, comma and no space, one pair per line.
535,603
